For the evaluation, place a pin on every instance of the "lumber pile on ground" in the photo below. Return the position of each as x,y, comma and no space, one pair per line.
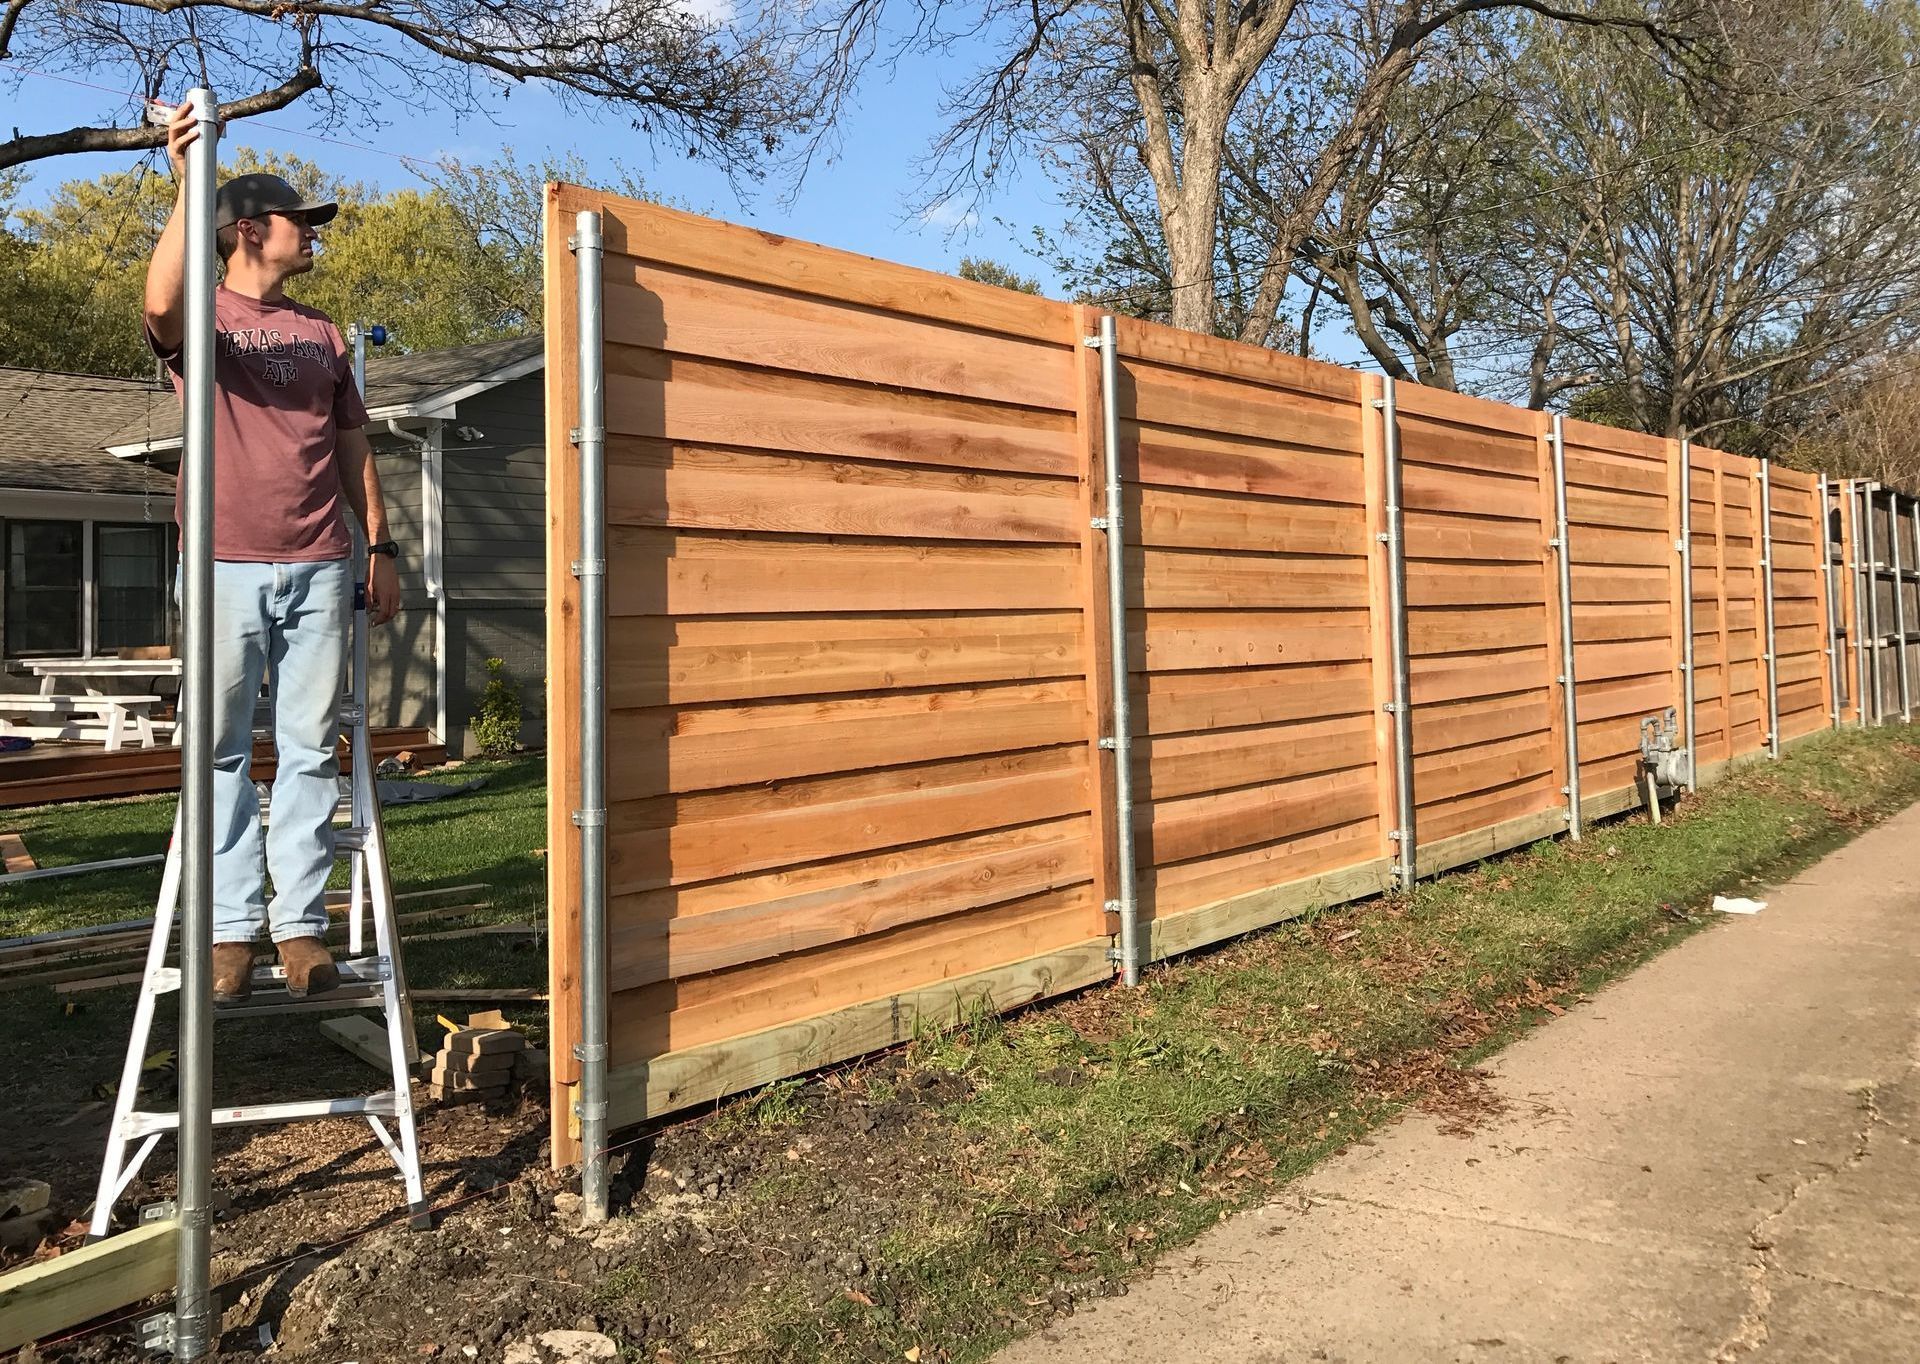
482,1060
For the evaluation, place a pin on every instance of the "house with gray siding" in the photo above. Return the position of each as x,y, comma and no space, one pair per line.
86,540
459,439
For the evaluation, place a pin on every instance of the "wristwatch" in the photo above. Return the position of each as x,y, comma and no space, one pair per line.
386,547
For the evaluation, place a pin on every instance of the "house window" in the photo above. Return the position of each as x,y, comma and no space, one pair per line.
86,588
133,578
45,587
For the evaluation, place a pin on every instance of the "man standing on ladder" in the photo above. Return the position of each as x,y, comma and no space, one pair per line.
288,448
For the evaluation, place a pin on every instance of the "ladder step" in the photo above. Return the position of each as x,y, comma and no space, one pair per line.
266,1002
356,971
381,1105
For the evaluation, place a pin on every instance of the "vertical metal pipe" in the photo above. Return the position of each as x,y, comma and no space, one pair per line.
1766,583
1406,868
1831,590
1894,557
1122,739
1860,584
1913,510
1872,570
592,816
1563,550
192,1314
1686,609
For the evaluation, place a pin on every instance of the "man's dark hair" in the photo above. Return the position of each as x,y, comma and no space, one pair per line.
226,241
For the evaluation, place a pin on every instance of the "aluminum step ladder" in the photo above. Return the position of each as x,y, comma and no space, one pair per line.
367,981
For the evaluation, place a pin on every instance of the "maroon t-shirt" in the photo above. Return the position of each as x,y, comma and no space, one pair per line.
283,390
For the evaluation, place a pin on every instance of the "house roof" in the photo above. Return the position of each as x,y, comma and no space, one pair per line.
414,385
54,430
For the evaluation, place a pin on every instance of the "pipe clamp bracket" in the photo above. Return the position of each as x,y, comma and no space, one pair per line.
1100,523
589,819
587,1053
580,435
1110,743
590,1112
589,568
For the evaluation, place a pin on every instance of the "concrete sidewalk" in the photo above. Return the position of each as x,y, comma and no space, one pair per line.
1717,1159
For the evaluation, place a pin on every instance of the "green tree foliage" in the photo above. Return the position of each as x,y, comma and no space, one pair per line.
985,271
453,262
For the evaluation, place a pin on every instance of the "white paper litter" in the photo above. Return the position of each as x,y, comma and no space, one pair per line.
1734,905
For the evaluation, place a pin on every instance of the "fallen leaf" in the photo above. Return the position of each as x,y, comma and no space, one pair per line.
912,1356
855,1295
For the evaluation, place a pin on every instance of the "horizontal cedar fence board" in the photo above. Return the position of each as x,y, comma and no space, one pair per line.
669,309
705,403
673,933
749,256
700,1010
1191,400
659,660
1181,764
1228,359
702,573
858,648
1186,519
1184,702
1184,641
649,485
1174,830
680,749
1174,889
1175,457
1174,578
668,840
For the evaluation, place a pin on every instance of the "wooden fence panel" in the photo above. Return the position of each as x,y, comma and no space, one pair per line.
1746,679
1799,604
1481,625
1623,521
1712,744
1250,633
850,724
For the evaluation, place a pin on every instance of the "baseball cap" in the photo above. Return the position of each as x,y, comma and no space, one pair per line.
257,195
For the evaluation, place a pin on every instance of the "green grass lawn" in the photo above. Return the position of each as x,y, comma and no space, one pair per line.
486,837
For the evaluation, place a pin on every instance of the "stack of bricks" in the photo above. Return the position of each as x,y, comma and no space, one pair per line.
475,1063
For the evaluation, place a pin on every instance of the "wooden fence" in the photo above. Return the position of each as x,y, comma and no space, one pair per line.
858,649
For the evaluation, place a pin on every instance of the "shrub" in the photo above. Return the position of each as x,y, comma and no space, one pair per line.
497,726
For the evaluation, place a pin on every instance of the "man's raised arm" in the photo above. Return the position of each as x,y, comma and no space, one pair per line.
166,304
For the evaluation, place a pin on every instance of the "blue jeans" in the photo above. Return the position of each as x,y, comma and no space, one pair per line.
288,623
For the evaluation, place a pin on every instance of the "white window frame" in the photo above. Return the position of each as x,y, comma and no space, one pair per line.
89,582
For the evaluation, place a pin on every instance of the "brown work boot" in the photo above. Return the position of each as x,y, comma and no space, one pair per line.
310,968
232,972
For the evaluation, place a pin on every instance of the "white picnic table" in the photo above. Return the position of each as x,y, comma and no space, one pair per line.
97,705
107,670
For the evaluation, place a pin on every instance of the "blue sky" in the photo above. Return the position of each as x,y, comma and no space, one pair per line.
858,202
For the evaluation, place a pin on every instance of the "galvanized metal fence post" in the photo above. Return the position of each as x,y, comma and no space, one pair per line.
1686,607
1766,569
193,1318
1856,569
591,569
1831,591
1563,552
1120,742
1406,837
1894,557
1872,559
1913,513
